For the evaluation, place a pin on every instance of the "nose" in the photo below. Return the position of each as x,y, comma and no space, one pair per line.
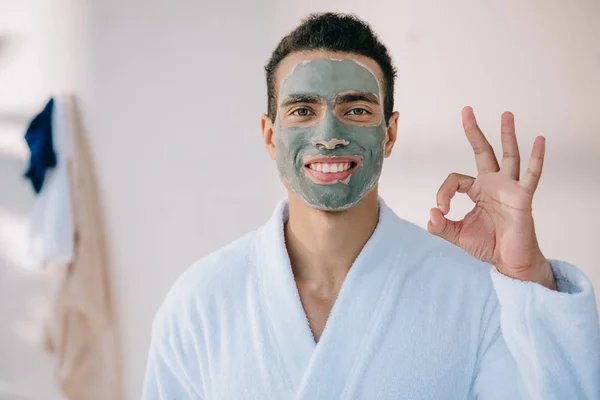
329,134
330,144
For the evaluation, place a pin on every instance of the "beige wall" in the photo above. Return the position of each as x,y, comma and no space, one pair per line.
174,91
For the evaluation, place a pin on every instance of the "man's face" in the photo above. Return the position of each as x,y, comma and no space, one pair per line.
330,133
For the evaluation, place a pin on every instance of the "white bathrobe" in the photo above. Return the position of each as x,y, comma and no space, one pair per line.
416,318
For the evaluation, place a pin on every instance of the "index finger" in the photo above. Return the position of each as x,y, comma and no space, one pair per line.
484,153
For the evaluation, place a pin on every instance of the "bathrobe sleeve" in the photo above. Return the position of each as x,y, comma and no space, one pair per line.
166,372
543,344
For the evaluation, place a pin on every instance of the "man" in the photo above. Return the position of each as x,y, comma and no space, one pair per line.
337,298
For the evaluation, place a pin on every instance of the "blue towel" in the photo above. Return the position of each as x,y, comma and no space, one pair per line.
39,140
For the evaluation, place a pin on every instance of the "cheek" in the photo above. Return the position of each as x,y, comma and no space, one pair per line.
371,139
283,141
292,142
291,145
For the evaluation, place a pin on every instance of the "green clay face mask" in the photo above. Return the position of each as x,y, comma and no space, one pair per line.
330,132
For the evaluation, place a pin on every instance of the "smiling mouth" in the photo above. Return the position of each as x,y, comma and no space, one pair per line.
329,170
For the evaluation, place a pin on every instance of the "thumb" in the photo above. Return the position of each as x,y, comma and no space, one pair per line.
440,226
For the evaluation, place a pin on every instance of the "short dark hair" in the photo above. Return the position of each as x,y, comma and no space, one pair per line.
343,33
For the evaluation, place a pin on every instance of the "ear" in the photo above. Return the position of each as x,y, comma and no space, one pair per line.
391,134
266,125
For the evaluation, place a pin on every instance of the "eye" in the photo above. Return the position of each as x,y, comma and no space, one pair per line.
358,111
302,112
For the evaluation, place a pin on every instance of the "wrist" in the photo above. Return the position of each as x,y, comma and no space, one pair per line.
547,275
539,272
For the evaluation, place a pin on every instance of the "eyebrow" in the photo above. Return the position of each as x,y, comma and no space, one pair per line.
296,98
352,97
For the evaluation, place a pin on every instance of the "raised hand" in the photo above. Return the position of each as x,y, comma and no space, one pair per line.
500,229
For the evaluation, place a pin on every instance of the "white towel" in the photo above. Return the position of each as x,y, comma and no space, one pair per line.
416,318
51,230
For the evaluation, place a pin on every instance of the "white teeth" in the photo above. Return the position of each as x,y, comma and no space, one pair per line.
330,168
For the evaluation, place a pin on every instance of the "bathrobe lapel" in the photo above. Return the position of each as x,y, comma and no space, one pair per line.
286,320
325,370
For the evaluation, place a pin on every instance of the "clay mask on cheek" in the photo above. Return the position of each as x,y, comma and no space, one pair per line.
350,145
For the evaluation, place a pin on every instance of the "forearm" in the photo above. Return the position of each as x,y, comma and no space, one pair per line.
553,336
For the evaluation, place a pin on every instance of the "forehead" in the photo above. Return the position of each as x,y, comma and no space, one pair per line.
327,74
328,78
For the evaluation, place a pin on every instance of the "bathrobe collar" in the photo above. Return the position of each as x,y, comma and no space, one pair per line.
356,309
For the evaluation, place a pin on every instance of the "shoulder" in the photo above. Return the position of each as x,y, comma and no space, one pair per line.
218,275
442,276
446,269
442,254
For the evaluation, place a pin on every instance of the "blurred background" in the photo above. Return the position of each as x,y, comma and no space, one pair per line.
170,95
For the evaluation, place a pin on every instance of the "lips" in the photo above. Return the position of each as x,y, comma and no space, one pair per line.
329,170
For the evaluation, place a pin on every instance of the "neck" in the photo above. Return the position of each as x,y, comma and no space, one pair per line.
322,245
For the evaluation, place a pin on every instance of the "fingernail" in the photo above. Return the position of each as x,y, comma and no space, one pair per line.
431,218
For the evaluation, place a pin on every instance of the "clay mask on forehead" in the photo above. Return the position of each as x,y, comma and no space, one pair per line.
356,149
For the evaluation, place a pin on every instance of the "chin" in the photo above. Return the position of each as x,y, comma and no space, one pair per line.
320,202
338,209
